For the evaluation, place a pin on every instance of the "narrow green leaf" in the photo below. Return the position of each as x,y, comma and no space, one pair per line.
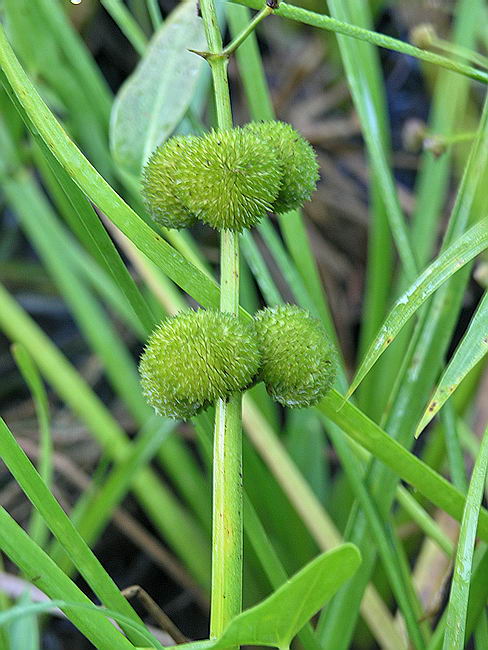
44,573
42,123
127,24
357,57
406,465
86,224
87,73
24,633
159,502
458,600
27,367
384,538
21,18
157,95
469,352
462,251
53,246
61,526
21,611
94,508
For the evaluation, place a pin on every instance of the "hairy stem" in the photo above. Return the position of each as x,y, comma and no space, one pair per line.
226,599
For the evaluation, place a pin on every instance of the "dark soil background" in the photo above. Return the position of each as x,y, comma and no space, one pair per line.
309,91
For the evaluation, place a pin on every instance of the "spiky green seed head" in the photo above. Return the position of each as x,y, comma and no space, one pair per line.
298,359
236,178
165,182
297,156
195,358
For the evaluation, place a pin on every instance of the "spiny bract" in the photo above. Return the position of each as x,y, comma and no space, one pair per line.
298,160
236,178
195,358
165,182
298,359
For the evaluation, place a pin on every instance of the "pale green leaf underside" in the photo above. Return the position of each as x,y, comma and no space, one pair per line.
462,251
277,619
156,96
469,352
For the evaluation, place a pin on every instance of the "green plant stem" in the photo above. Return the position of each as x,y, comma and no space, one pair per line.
460,51
154,14
331,24
226,599
240,38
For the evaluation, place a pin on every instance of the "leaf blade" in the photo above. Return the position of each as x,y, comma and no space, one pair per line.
154,99
456,256
469,352
458,601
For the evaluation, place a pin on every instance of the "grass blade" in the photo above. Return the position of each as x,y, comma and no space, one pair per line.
20,611
383,538
92,512
405,465
79,57
43,572
473,347
462,251
326,22
85,223
357,59
97,189
162,507
27,367
458,600
61,526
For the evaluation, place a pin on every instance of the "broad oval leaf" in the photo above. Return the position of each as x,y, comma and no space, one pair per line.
462,251
156,96
472,349
276,620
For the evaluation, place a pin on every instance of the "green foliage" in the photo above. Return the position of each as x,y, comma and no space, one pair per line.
298,358
277,620
154,99
296,500
458,603
194,359
469,352
462,251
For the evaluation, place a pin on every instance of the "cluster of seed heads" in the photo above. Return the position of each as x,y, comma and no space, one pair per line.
229,179
195,358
